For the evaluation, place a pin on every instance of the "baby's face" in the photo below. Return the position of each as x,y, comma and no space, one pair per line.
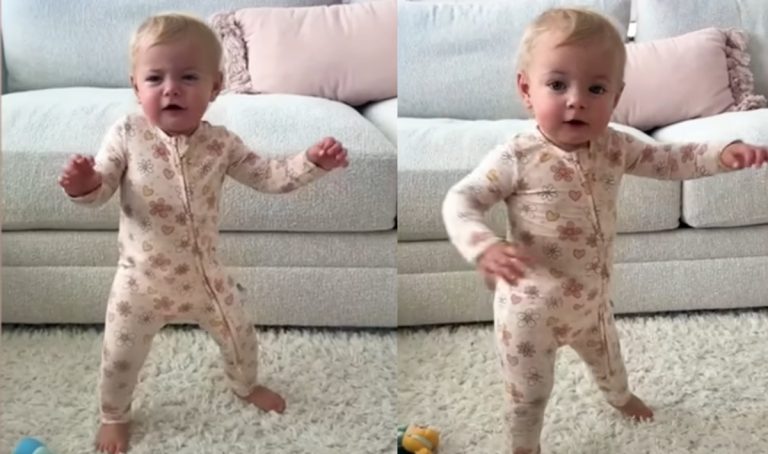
174,83
571,89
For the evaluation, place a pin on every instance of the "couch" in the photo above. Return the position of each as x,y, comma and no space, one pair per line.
321,256
693,245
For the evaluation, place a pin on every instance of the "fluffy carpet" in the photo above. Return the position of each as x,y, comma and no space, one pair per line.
340,388
704,374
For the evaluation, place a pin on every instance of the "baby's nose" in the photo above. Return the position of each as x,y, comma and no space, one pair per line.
171,89
576,101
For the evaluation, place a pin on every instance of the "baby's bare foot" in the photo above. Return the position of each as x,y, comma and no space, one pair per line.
266,399
113,438
636,409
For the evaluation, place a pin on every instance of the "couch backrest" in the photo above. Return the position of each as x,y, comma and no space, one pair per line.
50,43
664,18
457,60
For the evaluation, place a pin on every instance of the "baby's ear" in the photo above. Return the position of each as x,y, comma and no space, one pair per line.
524,88
218,84
135,88
618,96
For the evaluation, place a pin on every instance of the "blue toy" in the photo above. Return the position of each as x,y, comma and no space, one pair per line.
31,446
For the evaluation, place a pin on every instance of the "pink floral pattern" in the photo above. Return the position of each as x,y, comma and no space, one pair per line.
168,237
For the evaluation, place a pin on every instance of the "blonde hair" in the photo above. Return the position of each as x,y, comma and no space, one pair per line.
577,25
165,28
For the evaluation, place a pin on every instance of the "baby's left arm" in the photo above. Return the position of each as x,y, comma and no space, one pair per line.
685,161
273,175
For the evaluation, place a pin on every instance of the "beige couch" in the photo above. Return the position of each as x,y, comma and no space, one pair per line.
682,245
321,256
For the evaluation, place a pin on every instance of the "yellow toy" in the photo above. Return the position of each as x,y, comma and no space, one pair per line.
418,439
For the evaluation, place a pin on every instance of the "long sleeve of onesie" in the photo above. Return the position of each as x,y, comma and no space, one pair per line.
495,179
110,163
272,175
670,161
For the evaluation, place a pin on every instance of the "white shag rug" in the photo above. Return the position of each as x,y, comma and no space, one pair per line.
339,386
705,375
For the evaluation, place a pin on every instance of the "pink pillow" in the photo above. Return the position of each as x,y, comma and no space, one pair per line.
698,74
345,53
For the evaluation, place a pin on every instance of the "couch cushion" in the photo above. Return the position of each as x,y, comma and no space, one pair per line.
464,63
703,73
434,154
676,285
42,128
663,19
732,199
383,114
60,248
683,244
281,296
275,50
42,50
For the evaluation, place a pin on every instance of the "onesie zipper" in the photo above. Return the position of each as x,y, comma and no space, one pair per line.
207,282
601,309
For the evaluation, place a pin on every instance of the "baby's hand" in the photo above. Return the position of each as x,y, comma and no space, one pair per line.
742,155
328,154
79,176
505,261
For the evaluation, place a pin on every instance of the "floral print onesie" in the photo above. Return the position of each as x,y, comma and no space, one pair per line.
170,188
562,213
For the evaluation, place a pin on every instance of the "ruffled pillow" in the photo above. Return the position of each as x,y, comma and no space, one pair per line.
345,52
236,77
740,78
694,75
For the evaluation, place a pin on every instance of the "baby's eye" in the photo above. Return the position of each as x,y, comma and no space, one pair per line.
557,85
597,89
190,77
153,78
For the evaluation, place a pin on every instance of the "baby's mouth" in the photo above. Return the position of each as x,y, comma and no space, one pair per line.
173,107
574,122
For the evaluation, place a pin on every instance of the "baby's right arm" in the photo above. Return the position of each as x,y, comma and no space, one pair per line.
493,180
79,176
91,182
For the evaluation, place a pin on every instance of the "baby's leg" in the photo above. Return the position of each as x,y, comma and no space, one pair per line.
527,348
236,338
128,334
599,347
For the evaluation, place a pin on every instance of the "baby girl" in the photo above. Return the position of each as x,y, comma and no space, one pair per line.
170,165
560,183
